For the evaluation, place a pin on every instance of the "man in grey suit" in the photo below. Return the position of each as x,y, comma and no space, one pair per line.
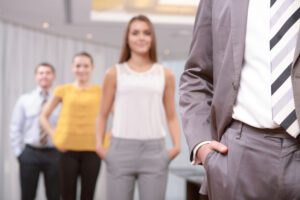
240,98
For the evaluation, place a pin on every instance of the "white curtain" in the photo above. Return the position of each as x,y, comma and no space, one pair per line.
21,49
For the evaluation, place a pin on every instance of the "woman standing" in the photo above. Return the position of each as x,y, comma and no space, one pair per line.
142,94
75,133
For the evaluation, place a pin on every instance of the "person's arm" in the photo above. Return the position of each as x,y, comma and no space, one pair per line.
46,113
107,100
196,86
17,127
172,120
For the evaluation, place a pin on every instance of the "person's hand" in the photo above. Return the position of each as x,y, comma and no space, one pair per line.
101,151
60,149
204,150
51,135
173,152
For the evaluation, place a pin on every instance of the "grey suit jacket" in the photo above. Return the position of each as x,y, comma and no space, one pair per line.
210,81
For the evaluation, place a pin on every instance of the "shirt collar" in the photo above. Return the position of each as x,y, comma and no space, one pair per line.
39,91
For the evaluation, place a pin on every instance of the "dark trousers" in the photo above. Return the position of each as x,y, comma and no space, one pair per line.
83,164
34,161
261,164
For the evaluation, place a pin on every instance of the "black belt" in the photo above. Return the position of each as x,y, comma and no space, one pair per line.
40,148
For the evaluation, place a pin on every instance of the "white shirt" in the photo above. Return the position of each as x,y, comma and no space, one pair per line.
253,104
138,109
25,126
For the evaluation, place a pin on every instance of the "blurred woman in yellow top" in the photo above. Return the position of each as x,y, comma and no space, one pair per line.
75,134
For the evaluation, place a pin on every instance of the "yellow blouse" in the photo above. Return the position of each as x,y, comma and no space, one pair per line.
76,127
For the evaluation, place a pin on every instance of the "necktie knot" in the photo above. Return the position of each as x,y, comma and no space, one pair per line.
44,95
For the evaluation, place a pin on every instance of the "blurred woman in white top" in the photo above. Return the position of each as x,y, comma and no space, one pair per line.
142,93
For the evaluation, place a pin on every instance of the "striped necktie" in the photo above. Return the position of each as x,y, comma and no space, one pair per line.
43,134
284,32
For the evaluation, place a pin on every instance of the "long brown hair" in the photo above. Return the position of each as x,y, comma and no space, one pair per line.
126,52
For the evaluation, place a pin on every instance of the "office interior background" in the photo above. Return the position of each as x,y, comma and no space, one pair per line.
32,31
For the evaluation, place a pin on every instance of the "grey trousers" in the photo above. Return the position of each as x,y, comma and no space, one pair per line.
261,164
129,161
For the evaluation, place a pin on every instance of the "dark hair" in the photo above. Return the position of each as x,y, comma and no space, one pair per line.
126,52
83,53
44,64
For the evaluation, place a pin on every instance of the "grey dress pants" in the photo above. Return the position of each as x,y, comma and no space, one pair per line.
261,164
143,161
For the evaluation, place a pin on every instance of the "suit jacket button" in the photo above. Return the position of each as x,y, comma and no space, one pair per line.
235,86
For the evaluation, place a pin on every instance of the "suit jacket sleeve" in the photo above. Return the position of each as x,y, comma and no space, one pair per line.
196,83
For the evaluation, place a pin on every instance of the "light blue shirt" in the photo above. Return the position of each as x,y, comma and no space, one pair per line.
25,126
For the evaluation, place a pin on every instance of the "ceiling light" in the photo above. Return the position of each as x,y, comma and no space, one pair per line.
172,7
89,36
106,4
140,4
45,25
179,2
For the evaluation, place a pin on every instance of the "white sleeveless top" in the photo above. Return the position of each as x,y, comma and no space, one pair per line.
138,109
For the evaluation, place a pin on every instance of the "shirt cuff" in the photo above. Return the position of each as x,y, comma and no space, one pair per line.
195,160
18,151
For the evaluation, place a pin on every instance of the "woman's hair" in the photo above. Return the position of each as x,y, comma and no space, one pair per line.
85,54
126,52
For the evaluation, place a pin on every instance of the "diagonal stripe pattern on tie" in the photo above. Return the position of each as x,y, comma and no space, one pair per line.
43,133
284,26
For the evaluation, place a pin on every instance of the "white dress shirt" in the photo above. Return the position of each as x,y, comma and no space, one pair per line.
253,104
25,126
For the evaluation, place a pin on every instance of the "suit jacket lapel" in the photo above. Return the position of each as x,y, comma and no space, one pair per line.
239,12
